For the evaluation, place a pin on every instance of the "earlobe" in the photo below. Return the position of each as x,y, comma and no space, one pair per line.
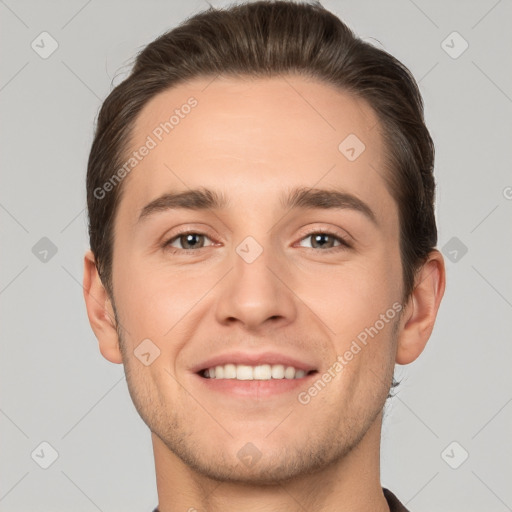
421,311
100,311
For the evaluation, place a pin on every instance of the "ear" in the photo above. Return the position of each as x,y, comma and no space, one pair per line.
100,311
420,313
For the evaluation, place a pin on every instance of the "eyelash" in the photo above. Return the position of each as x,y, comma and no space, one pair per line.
343,244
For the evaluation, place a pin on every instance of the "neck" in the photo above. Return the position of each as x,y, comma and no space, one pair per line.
349,484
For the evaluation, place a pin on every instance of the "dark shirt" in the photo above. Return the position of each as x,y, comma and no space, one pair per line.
394,504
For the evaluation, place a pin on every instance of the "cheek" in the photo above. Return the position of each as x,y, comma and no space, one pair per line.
365,356
360,306
155,300
351,297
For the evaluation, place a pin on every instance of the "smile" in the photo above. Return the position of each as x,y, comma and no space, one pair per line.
259,372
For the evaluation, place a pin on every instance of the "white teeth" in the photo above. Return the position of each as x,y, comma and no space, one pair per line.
277,371
244,372
260,372
289,373
229,371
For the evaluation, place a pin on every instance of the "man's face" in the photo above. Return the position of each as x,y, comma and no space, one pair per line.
260,282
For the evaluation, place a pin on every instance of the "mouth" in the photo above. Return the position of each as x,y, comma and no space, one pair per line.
254,375
260,372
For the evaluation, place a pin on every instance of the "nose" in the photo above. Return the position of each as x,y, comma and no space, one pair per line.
257,293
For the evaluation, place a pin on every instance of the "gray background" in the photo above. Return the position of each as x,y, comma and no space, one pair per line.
55,385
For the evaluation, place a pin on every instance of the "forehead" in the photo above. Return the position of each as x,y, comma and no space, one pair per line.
269,112
256,135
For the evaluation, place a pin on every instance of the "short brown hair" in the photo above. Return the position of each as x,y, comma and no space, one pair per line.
267,39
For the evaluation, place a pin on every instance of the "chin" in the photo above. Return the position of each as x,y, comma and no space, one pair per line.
261,462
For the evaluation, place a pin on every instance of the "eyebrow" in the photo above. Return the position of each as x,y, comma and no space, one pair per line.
298,198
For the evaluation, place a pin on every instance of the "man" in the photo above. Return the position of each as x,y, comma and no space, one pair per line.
260,195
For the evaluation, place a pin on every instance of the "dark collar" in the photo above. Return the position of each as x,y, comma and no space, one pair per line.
394,504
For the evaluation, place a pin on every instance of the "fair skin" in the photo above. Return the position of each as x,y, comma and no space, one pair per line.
305,297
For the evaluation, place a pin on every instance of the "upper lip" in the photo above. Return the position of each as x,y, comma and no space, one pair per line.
253,359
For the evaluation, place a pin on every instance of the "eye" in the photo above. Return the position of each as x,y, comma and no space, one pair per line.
325,240
192,240
188,241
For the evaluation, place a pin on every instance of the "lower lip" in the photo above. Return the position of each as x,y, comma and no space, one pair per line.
255,388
